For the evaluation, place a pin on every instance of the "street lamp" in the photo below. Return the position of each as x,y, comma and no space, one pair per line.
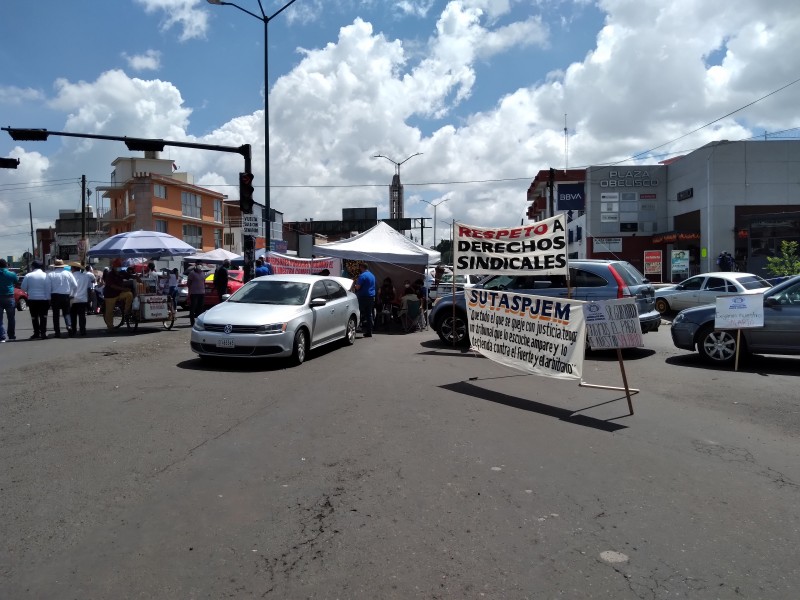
442,201
396,189
265,20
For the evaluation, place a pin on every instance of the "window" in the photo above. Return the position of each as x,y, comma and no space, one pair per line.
695,283
581,278
193,235
160,225
191,205
217,238
228,239
218,211
159,191
716,284
335,290
319,290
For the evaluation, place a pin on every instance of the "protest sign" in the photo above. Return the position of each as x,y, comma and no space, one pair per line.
536,249
543,336
613,324
739,312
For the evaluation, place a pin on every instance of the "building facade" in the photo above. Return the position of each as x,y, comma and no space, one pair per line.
737,197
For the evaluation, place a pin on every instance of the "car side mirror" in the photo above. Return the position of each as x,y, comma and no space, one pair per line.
770,301
225,297
315,302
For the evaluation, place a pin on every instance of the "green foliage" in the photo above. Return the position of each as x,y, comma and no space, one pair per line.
788,263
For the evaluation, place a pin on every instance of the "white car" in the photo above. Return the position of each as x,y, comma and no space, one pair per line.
279,316
705,288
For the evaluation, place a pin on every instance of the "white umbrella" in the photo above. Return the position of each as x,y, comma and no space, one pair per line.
141,244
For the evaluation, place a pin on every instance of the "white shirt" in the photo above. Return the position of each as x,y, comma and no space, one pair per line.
37,285
62,282
85,282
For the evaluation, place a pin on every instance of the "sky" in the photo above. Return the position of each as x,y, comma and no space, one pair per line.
484,89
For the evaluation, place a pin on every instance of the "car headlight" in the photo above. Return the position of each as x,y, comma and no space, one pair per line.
679,318
273,328
198,324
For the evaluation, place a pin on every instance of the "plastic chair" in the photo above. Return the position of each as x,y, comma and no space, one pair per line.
411,316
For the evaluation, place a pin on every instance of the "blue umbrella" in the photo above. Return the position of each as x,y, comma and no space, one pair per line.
141,244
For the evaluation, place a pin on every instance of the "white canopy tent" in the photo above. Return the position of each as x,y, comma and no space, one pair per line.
387,252
214,257
381,244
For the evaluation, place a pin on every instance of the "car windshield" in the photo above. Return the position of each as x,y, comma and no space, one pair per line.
630,274
753,282
290,293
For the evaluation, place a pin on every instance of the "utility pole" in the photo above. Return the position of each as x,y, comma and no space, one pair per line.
552,184
82,243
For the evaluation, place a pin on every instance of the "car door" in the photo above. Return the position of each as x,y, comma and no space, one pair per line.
686,293
781,331
324,316
341,305
712,288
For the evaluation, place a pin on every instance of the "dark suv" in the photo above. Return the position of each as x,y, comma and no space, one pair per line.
589,279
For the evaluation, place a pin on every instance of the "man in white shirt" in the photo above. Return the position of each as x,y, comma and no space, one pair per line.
37,285
62,287
77,311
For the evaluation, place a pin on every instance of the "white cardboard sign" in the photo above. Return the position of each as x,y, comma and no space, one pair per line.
739,312
613,324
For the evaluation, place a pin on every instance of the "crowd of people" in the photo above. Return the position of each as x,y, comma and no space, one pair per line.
389,307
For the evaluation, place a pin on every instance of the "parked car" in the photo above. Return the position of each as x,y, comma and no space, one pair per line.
693,328
463,282
589,280
235,281
704,289
20,299
278,316
182,294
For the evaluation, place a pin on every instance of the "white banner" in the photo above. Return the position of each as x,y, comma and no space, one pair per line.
613,324
539,335
536,249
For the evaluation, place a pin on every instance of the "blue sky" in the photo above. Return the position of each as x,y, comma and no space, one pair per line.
480,87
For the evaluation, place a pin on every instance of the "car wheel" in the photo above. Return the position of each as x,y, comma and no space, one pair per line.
22,304
449,328
717,347
350,333
300,347
662,306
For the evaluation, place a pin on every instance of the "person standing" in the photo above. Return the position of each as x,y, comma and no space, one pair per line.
172,285
150,279
221,279
85,281
261,270
196,282
37,285
62,288
115,287
365,291
8,279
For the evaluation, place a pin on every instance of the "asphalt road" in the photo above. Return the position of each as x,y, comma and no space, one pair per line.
395,468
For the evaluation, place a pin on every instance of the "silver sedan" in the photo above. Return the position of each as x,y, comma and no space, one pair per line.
705,288
279,316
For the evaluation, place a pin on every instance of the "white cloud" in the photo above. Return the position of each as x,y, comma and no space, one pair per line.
12,95
149,61
184,14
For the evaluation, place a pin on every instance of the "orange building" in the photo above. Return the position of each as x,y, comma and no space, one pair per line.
146,194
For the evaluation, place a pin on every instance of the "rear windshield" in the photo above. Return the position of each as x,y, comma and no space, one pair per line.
630,274
753,282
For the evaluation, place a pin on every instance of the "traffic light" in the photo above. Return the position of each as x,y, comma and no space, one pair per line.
246,192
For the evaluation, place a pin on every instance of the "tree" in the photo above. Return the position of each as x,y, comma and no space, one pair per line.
788,263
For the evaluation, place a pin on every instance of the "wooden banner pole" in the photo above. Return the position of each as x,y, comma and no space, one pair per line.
738,338
624,380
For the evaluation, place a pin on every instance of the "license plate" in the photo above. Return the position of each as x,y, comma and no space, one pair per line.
225,343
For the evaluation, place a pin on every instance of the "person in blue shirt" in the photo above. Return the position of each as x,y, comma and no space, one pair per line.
365,291
7,304
261,269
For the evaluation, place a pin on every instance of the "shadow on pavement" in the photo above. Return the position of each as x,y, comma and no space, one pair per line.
562,414
754,363
611,355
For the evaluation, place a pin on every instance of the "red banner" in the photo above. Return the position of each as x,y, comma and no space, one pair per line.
283,264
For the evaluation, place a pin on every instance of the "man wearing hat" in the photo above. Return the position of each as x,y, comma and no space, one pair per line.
62,287
37,285
114,289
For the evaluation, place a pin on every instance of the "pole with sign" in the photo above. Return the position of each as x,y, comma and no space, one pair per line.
652,263
739,312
